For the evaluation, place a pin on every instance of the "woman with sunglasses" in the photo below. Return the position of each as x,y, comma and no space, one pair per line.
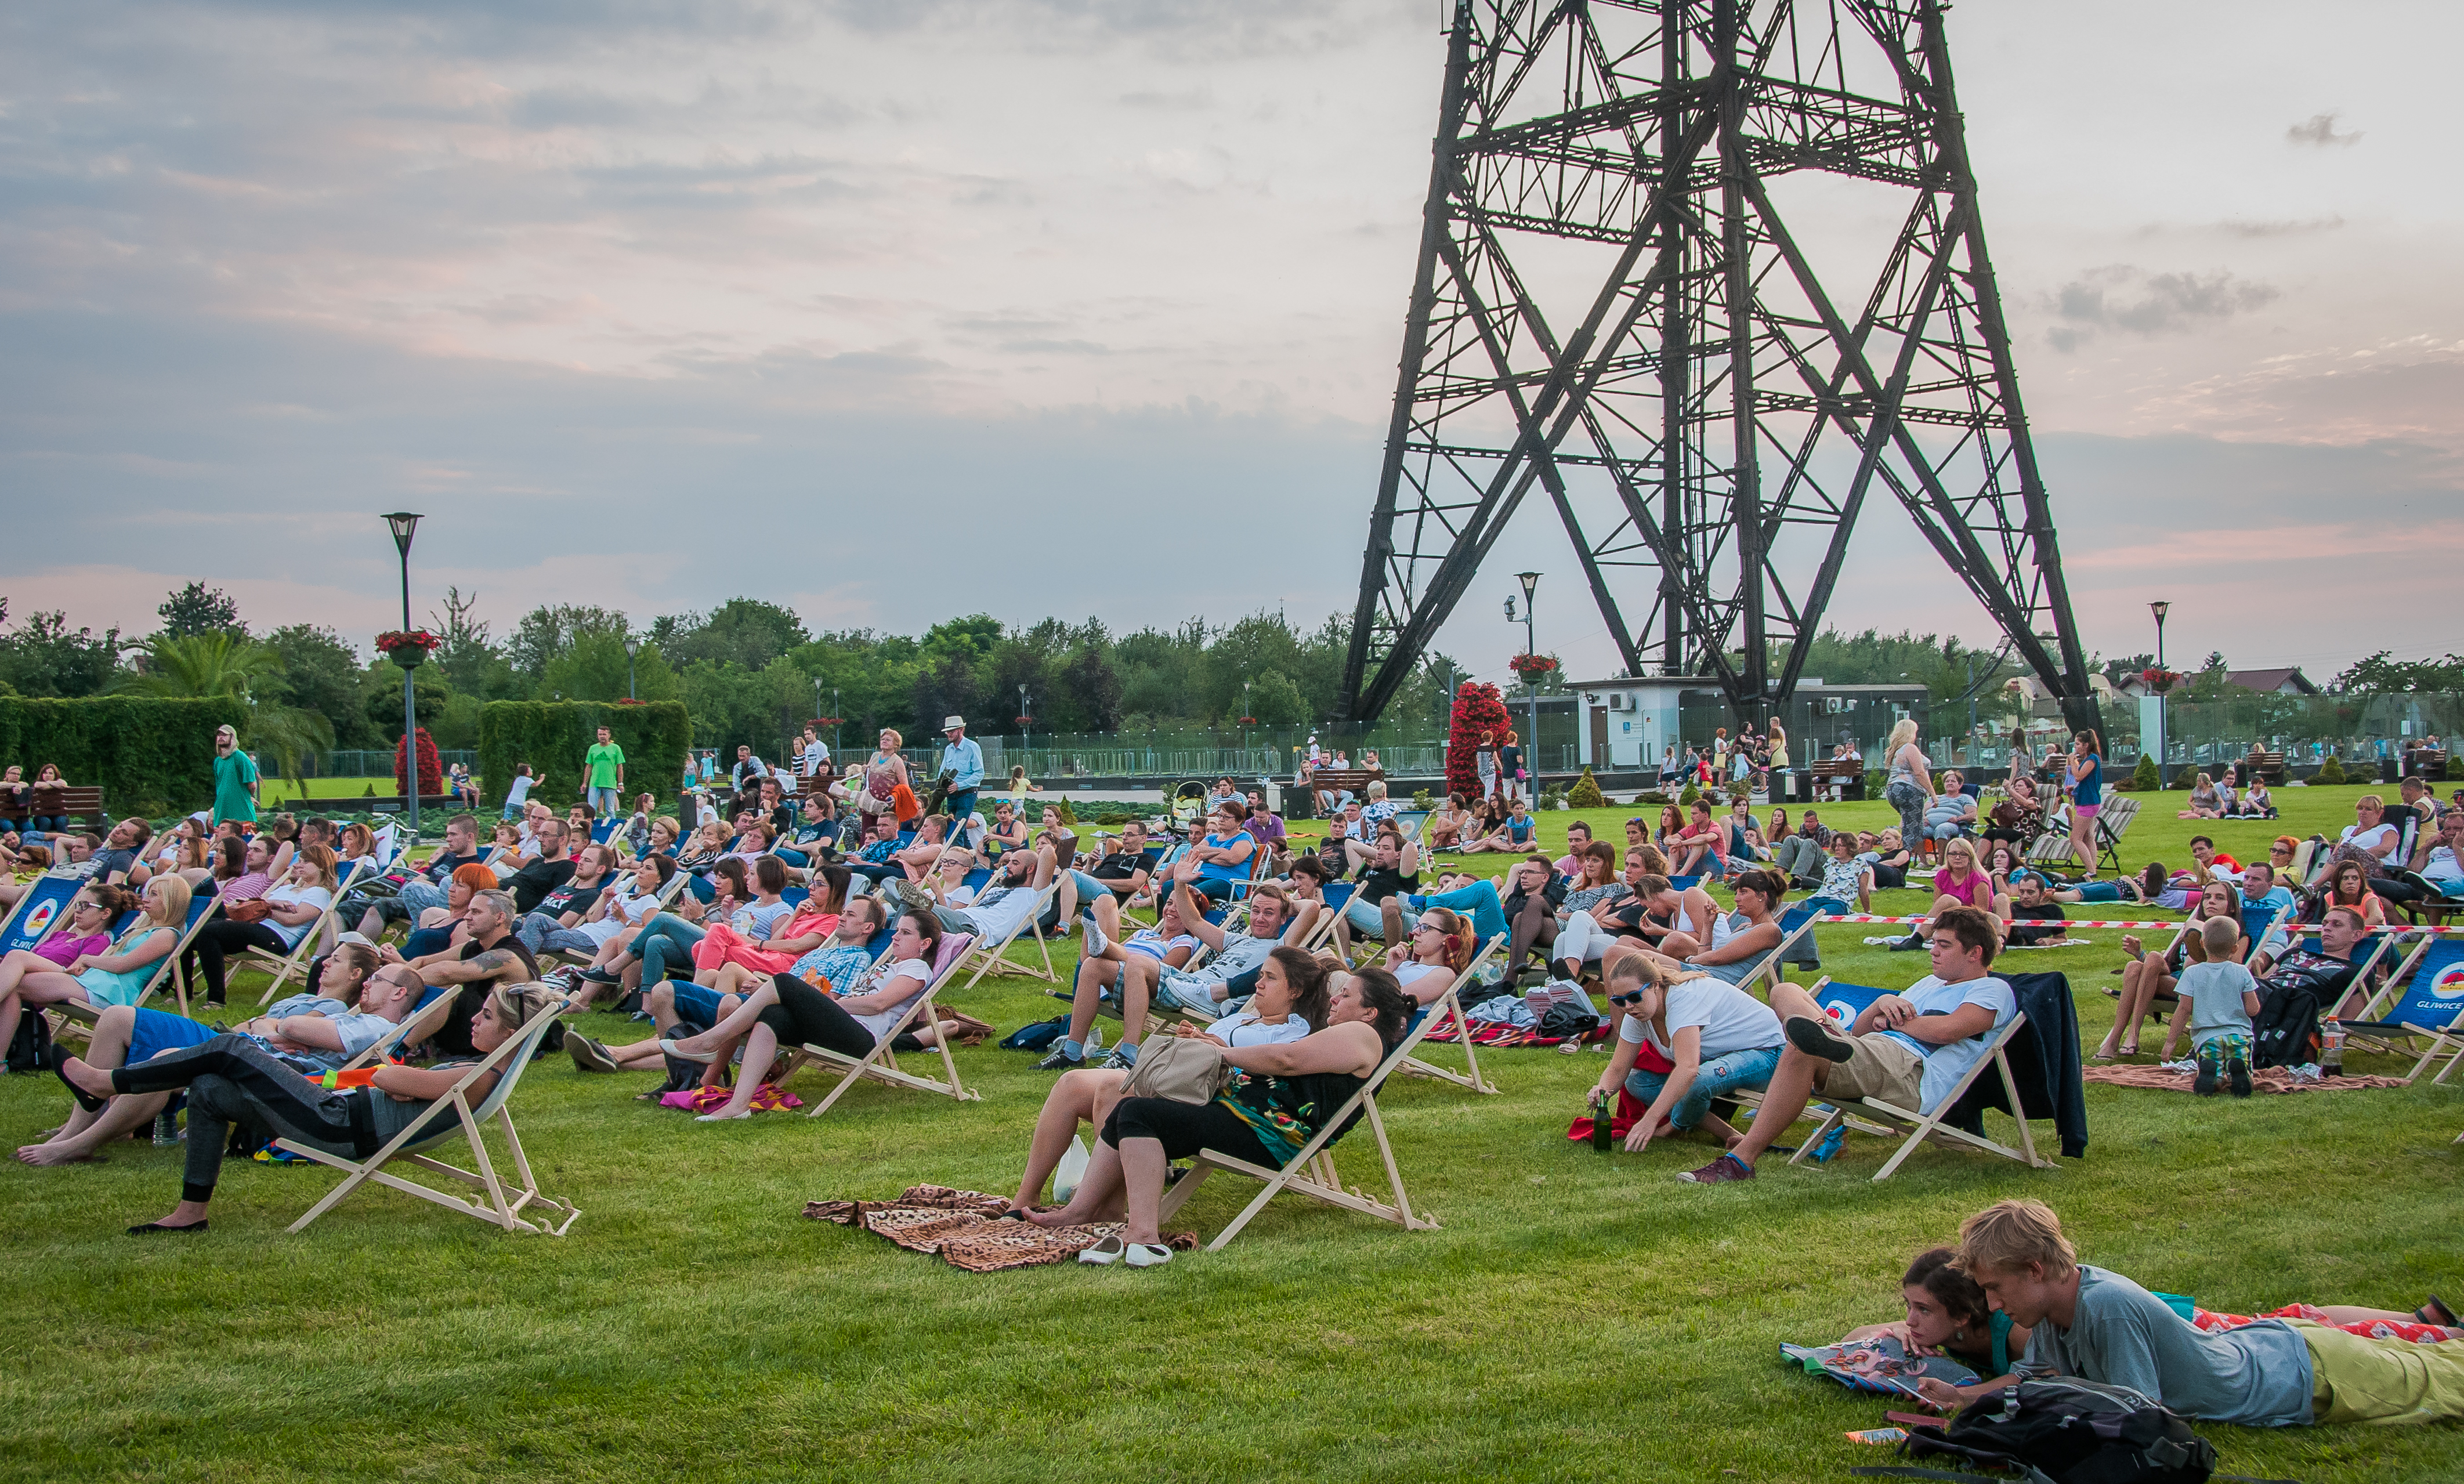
1440,946
1717,1038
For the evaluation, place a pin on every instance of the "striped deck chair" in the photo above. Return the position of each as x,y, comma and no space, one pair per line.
881,1064
506,1201
2431,1005
1311,1171
1848,1001
296,959
1450,1003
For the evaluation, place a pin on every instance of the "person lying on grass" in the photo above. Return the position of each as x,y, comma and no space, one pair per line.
1276,1103
359,1002
1719,1038
788,1011
233,1079
1908,1048
1738,940
1291,986
2100,1326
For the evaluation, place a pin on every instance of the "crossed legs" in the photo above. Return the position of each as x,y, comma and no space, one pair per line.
2140,983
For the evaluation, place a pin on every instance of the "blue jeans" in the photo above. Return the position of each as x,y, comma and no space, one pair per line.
961,804
667,937
606,801
1480,899
1713,1080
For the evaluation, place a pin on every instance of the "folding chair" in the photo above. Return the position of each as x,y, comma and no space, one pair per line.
168,967
1451,1003
2112,822
2259,924
41,911
295,960
1311,1171
501,1207
1921,1126
880,1064
1794,923
2432,1005
2379,941
988,953
1322,931
420,1025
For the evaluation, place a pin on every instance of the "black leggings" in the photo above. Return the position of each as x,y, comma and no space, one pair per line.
1187,1127
221,937
804,1016
232,1079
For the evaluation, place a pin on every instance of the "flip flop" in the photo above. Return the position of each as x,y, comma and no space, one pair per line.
2435,1312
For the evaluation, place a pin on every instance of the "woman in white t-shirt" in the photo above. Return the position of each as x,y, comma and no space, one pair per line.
1718,1037
1277,1011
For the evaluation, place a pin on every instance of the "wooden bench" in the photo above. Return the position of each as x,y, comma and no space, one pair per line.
2429,762
1850,773
2266,766
78,805
1355,781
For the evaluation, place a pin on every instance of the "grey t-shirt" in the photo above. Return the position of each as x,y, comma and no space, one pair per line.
2215,991
1239,955
359,1029
2122,1335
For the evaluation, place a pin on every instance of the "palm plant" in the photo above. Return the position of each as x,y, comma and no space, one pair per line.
231,665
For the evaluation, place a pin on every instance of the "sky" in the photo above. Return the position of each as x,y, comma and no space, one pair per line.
898,309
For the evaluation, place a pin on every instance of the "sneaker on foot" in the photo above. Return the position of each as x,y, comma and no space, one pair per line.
600,976
1727,1168
1060,1061
2237,1076
917,898
1814,1039
1124,1057
588,1056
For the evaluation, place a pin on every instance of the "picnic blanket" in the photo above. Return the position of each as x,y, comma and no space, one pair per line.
2264,1080
958,1227
1881,1364
1499,1034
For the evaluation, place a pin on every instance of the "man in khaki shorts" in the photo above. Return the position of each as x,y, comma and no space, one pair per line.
1909,1049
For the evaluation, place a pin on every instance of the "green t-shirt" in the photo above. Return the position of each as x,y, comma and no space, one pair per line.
602,760
233,774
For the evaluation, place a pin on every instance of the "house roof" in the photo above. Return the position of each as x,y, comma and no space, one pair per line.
2272,679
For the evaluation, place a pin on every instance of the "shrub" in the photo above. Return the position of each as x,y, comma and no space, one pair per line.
2142,779
1421,799
150,756
2332,771
1552,797
1650,796
2454,766
1689,796
552,735
432,771
2183,778
1586,793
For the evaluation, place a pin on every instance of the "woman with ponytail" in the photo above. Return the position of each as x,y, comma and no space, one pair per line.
1440,946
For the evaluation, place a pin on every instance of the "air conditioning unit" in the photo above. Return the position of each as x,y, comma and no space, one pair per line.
1619,701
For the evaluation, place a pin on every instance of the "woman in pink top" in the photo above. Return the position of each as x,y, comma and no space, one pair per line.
1962,881
88,930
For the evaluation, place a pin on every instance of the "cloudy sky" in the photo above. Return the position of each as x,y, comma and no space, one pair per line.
1091,306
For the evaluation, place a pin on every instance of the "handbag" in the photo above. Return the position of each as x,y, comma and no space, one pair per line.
1183,1068
253,910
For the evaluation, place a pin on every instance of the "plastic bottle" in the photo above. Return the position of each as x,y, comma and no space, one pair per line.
2331,1052
167,1129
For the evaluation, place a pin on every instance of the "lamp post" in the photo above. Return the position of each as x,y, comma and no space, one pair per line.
1245,715
2160,609
1026,728
838,722
403,523
1531,582
632,647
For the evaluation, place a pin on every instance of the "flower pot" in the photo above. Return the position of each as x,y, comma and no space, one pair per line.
410,656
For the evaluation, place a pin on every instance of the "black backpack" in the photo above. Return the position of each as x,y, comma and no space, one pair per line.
30,1050
2286,1031
2065,1431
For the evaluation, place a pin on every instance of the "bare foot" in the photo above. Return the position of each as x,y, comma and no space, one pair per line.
46,1154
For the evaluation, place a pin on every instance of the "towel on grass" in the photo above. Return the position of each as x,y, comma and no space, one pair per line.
958,1227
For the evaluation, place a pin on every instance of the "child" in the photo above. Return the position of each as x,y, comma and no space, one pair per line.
2218,998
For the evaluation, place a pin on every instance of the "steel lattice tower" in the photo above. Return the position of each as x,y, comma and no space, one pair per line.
1610,305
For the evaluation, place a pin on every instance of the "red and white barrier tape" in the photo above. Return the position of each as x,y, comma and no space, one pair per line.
1862,917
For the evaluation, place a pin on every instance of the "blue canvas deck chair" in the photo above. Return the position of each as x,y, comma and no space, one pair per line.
1450,1003
295,959
1849,1001
2431,1004
880,1065
507,1203
988,951
1311,1171
166,969
2364,961
2259,923
42,911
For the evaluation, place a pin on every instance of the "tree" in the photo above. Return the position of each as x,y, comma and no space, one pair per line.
2381,672
321,674
1479,708
197,609
744,631
593,668
467,658
1277,702
226,662
44,658
546,632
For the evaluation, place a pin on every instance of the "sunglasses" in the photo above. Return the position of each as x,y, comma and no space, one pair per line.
1635,998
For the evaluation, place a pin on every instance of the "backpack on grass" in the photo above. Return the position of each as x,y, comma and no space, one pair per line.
2285,1032
2065,1431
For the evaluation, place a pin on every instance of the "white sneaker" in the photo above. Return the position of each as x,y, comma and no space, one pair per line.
1147,1254
1104,1254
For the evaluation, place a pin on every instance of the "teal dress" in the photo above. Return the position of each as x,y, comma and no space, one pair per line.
233,776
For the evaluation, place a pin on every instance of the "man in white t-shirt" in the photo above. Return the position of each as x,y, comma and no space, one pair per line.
815,757
2439,859
1003,906
1907,1050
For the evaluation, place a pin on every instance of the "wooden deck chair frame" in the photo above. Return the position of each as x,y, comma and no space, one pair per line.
880,1063
297,960
168,967
664,898
26,901
2447,1040
1922,1126
1311,1171
986,952
2259,941
1752,1098
1775,961
420,1025
2383,1001
502,1206
1451,1002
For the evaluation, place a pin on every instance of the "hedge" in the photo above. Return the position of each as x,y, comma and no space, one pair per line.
149,755
552,735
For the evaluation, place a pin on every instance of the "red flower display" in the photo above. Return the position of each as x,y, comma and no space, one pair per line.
1531,666
1479,707
432,773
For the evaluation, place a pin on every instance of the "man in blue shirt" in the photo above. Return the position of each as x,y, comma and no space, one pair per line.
962,763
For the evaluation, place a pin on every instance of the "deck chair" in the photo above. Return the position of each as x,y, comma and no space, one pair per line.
1411,821
1918,1127
1451,1003
2261,923
166,969
420,1025
296,959
988,953
1311,1171
2431,1005
2372,1007
1322,931
40,912
880,1063
503,1205
1795,925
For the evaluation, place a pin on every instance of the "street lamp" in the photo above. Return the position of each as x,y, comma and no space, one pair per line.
1531,582
402,524
1245,715
1025,727
2160,609
632,647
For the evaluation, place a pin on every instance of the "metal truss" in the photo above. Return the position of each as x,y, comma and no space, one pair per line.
1610,307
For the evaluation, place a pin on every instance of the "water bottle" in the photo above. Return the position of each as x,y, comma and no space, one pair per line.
1095,1042
167,1129
1601,1137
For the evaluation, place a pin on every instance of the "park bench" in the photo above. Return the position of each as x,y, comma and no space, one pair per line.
1848,771
1344,780
2267,766
84,805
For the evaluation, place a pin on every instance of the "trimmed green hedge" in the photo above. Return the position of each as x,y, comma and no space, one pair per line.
552,735
149,755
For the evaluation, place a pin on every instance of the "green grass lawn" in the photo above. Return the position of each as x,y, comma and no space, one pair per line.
1579,1316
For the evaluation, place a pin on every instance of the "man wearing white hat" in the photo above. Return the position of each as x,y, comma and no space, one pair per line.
963,764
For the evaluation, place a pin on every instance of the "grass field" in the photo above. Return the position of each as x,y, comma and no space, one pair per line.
1579,1316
